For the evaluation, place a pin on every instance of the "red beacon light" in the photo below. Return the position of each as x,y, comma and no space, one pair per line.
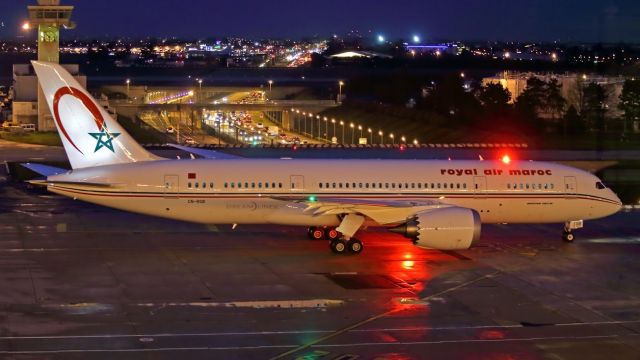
506,159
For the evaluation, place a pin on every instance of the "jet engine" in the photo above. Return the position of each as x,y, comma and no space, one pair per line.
450,228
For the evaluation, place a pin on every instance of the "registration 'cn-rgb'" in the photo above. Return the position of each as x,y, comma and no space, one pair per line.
436,204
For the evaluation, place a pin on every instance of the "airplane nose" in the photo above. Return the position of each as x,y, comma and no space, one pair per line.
618,205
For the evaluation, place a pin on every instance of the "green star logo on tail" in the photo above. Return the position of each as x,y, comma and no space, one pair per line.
107,142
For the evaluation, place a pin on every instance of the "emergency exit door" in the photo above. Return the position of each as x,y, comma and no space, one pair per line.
296,183
171,189
570,185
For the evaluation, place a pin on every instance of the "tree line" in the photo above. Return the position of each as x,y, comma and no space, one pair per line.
539,109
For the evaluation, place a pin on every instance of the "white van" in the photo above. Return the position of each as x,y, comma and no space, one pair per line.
28,127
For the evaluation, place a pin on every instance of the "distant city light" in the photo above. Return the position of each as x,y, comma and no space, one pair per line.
26,26
507,55
380,38
416,38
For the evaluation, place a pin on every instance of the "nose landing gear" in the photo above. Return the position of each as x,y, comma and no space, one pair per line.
567,234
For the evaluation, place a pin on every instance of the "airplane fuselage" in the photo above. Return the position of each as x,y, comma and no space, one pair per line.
261,191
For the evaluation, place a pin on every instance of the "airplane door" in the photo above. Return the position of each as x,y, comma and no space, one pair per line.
479,185
297,183
171,189
570,185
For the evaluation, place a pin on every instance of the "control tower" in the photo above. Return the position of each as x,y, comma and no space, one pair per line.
48,16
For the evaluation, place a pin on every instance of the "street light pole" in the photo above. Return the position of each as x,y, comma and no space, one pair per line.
393,139
342,139
370,136
360,128
340,84
311,125
199,90
352,132
381,133
128,83
333,121
270,84
319,127
326,126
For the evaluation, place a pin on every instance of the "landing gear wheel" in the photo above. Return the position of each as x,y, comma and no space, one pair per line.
355,246
338,246
331,233
310,231
568,236
317,234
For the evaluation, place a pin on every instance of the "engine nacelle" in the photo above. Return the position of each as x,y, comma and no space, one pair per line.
450,228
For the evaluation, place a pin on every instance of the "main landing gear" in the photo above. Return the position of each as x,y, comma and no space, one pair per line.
567,234
341,238
318,233
341,246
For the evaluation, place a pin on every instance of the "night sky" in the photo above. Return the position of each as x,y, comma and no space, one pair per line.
564,20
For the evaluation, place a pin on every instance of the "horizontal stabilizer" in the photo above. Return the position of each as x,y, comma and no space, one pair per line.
44,170
205,153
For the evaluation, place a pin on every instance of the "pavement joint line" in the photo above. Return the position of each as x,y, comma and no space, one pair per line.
285,332
379,316
253,347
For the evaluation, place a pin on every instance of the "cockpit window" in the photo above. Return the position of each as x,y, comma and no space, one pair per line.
600,185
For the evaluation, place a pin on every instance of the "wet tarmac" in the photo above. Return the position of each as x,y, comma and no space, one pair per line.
80,281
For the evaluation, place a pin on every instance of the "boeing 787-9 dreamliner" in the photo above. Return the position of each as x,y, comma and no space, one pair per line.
436,204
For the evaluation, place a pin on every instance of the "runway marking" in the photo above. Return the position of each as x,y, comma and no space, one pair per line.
257,347
284,304
375,317
292,332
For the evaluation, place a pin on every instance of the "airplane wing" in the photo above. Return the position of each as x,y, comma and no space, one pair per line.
383,212
206,153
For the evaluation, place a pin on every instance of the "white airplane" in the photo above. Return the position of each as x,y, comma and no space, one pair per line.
437,204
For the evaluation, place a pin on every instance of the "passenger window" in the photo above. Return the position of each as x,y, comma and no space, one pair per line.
260,185
367,185
340,185
373,185
551,186
353,185
211,185
445,185
464,185
226,185
233,185
204,185
320,184
266,185
393,185
346,185
419,185
253,185
439,185
189,184
326,185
